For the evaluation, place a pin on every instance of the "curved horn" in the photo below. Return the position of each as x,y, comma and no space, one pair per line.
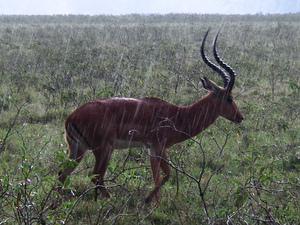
211,65
228,85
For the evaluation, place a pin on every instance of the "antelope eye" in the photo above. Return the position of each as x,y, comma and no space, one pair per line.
229,99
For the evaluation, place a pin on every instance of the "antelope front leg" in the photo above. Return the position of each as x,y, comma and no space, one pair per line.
156,163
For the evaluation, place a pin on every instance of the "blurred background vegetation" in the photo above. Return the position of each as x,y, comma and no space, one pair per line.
229,174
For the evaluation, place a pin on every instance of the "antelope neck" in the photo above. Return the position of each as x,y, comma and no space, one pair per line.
201,114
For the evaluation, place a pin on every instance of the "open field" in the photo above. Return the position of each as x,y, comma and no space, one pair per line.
229,174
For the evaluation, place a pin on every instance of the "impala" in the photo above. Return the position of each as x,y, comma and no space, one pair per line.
103,125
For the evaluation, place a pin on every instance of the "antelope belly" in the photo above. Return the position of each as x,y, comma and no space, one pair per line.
121,144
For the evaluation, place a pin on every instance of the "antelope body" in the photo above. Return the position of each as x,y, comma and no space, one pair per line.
102,125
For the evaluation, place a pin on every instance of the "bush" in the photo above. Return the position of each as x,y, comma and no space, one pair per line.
245,174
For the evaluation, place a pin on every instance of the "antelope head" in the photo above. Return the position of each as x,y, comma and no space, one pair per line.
221,97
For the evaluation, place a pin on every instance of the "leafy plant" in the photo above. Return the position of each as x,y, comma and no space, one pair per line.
246,174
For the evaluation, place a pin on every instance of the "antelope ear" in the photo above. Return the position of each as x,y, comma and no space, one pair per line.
209,85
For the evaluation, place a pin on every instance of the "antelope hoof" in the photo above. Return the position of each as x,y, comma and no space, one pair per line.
149,197
147,200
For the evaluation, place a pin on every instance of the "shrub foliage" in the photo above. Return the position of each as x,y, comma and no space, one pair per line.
229,174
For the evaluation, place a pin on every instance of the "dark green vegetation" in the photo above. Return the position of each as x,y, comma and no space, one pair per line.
234,174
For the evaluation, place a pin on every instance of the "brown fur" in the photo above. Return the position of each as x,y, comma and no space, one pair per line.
152,122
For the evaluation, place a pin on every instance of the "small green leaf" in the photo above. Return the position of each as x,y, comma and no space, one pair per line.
47,179
22,149
221,212
67,182
237,181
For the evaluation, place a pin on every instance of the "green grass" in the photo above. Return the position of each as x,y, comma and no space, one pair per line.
239,174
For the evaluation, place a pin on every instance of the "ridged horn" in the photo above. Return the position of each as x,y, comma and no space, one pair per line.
228,69
217,69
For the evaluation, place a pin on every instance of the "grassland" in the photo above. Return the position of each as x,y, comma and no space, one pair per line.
229,174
